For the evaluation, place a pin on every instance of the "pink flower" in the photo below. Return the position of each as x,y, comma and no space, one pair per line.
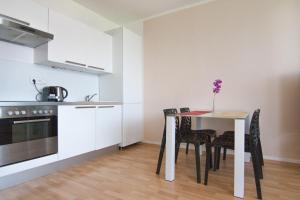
217,86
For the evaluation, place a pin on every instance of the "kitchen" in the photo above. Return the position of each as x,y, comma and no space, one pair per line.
60,101
173,99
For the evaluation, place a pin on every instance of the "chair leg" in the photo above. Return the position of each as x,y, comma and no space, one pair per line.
210,157
261,176
187,148
177,150
207,162
224,153
197,155
211,165
261,157
161,153
219,155
256,166
215,158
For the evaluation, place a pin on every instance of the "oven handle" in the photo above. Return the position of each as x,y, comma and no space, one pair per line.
32,121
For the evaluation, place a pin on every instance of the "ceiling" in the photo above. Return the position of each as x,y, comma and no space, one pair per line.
125,11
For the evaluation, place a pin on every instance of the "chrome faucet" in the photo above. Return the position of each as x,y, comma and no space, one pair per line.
88,98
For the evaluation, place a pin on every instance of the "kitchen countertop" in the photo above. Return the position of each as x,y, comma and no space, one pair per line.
37,103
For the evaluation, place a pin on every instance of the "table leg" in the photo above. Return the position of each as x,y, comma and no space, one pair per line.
239,161
170,149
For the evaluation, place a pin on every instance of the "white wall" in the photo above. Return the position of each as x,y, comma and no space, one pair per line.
17,70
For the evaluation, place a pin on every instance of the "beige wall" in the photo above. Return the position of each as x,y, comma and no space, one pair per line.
252,45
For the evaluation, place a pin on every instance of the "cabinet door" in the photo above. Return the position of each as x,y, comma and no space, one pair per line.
133,129
76,130
132,67
108,126
69,44
26,10
99,52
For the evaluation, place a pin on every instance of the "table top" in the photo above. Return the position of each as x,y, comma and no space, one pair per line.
220,115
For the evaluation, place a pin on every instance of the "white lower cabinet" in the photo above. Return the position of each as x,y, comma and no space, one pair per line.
133,129
82,129
108,126
76,130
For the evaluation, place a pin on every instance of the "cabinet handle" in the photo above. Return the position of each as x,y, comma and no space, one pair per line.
98,68
14,19
85,107
75,63
106,106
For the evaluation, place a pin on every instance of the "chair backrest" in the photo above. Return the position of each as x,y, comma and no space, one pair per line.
186,122
171,111
254,128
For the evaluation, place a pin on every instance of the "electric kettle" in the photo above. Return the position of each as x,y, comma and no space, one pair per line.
54,93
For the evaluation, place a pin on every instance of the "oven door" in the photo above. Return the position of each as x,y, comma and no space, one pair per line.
27,138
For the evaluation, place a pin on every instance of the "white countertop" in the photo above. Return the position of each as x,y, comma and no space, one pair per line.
37,103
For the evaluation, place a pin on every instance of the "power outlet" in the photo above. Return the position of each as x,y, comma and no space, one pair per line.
38,81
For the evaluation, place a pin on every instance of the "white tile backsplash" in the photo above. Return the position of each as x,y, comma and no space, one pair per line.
17,71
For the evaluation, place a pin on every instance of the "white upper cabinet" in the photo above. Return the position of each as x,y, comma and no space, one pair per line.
75,46
69,45
99,55
27,11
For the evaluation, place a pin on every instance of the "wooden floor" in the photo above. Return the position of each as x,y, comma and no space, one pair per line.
130,174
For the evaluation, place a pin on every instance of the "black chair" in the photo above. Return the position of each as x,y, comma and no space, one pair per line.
196,137
169,111
187,125
260,153
251,145
182,136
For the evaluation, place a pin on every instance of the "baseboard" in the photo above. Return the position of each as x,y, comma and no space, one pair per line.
183,146
150,142
281,159
266,157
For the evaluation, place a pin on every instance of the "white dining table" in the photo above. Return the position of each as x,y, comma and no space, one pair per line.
241,123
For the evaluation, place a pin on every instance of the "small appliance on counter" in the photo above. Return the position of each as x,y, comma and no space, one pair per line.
54,93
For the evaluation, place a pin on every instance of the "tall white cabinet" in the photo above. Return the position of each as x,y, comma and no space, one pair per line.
126,83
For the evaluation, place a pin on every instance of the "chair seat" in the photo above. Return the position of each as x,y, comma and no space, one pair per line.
229,133
194,137
227,141
209,132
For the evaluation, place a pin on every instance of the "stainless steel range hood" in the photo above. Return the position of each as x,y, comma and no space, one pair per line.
14,31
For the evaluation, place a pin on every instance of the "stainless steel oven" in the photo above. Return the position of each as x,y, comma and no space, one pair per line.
27,132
